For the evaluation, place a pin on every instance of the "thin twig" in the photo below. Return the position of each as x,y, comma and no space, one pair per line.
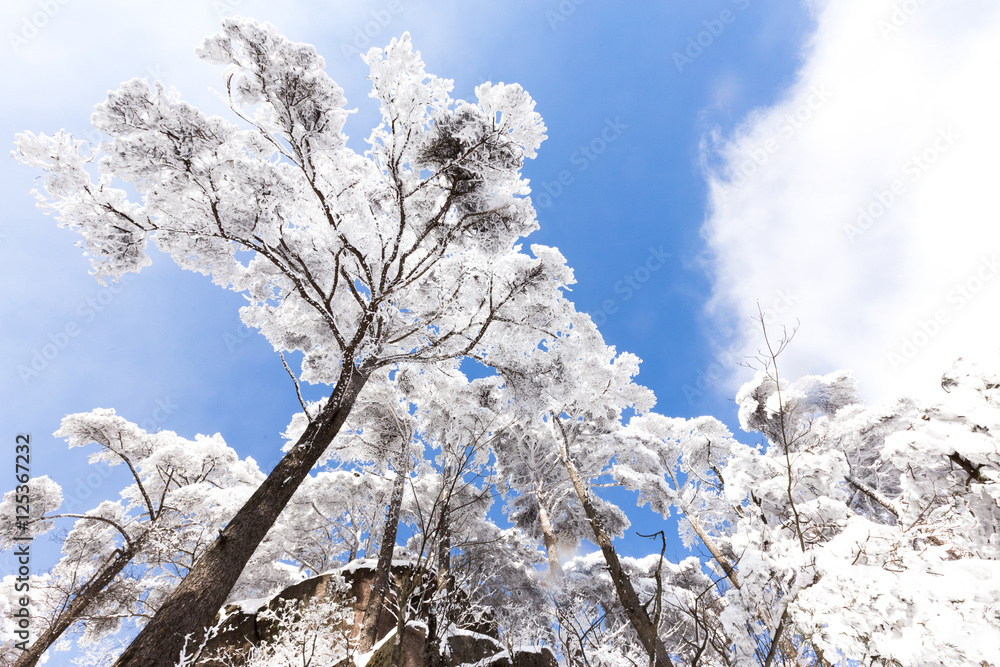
298,390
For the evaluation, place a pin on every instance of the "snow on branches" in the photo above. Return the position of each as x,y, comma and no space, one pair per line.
121,558
848,533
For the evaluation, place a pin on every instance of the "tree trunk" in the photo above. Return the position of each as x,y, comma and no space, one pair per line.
403,597
376,599
549,538
445,582
772,651
192,607
80,602
432,654
713,549
634,611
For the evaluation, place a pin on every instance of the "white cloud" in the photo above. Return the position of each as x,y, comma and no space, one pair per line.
897,96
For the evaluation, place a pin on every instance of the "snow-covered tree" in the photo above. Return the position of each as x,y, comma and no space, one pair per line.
861,514
577,389
122,558
832,540
848,534
406,253
332,519
540,497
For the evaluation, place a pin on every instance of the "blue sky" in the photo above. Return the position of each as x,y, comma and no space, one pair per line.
675,221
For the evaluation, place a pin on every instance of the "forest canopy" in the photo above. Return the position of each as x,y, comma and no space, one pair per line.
834,532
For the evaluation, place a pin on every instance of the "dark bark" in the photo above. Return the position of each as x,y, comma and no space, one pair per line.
432,647
629,599
773,650
192,607
965,464
445,582
78,605
376,600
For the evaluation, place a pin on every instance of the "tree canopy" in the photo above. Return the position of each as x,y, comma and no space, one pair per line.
842,534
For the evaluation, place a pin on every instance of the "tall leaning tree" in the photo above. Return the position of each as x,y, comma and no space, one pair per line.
577,390
405,253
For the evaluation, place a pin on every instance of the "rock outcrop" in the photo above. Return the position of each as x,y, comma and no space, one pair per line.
249,624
